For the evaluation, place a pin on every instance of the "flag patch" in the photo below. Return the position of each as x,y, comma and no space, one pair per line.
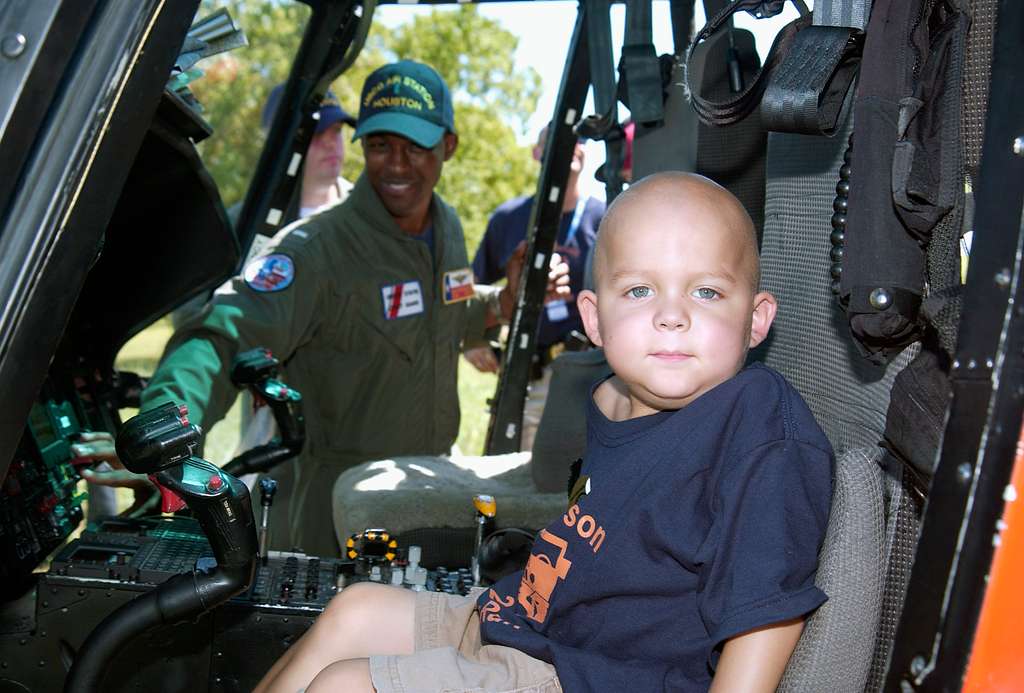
458,285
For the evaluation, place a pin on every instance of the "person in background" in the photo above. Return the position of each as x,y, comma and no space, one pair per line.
322,184
560,325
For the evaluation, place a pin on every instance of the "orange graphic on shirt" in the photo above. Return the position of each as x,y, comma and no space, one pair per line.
540,578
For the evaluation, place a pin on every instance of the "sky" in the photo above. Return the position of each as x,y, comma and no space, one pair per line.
544,30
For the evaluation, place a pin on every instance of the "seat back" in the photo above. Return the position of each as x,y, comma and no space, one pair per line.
809,344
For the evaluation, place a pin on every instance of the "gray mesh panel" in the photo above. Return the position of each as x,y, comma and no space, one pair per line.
810,340
906,506
834,652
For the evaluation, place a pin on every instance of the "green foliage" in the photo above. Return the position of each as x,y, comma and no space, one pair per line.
236,84
474,54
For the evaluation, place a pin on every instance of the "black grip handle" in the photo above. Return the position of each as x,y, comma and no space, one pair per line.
222,505
157,439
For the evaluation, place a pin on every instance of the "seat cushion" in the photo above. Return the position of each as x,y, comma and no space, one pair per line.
834,652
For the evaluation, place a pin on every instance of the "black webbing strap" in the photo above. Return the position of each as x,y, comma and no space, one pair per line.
803,83
847,13
599,45
733,110
644,90
806,92
604,125
331,41
681,14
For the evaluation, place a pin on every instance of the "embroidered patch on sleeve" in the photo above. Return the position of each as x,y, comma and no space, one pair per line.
402,300
271,273
458,285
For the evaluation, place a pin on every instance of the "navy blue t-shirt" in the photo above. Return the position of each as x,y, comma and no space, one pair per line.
696,525
507,227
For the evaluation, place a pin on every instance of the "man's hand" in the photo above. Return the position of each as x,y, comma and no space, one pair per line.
482,358
558,280
98,446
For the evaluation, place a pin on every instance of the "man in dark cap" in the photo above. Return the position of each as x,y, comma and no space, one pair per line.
322,184
367,304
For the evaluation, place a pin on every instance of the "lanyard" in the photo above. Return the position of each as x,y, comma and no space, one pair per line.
574,225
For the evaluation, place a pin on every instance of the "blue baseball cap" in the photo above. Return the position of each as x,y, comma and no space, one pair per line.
329,113
408,99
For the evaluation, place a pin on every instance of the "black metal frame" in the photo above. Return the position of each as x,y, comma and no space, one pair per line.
329,34
504,431
93,127
954,554
69,21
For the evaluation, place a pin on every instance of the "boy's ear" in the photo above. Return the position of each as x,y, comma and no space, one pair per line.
765,307
587,303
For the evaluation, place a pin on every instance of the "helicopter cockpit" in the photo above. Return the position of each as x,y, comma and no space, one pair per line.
878,149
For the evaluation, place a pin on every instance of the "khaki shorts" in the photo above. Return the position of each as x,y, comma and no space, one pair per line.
450,658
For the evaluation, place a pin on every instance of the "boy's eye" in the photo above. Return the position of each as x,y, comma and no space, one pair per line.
706,294
639,292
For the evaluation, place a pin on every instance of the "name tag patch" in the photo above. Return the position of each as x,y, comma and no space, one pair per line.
271,273
458,285
402,300
557,311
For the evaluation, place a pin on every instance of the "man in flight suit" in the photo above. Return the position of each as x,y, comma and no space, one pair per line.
367,305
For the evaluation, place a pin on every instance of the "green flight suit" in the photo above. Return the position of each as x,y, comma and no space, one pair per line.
377,376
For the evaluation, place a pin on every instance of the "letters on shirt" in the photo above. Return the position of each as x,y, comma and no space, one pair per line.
546,568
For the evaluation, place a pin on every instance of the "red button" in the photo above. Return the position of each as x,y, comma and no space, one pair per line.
214,483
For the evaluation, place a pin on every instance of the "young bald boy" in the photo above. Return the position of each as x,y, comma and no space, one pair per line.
686,558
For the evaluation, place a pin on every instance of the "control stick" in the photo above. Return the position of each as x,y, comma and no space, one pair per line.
268,487
257,370
486,509
160,443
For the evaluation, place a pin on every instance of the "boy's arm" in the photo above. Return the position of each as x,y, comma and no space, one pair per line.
755,660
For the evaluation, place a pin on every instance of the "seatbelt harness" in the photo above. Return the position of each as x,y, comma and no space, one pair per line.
604,125
641,67
809,71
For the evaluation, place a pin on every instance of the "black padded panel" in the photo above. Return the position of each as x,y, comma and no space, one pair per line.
732,156
168,239
673,146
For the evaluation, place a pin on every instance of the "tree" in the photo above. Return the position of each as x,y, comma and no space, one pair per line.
235,86
474,55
